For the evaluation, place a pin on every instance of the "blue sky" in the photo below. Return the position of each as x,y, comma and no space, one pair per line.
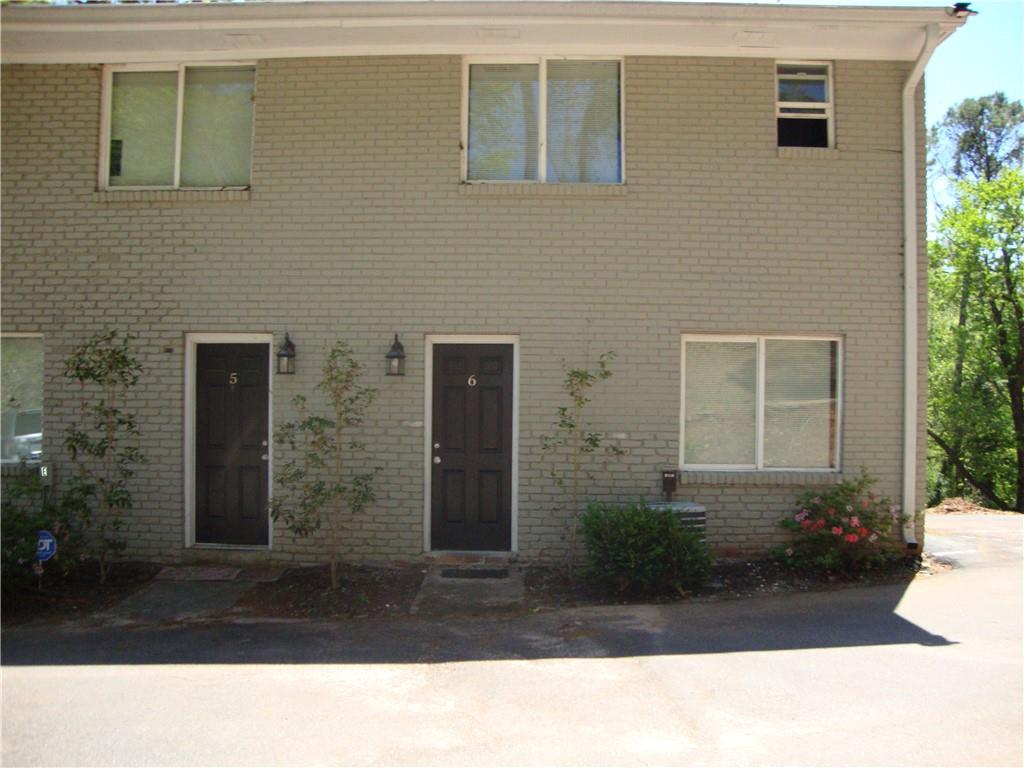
985,55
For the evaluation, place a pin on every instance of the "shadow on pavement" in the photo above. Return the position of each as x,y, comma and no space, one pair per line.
835,619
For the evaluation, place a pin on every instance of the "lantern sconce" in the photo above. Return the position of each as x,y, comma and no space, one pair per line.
286,356
396,359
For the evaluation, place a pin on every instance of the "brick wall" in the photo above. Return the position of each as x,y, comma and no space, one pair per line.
357,227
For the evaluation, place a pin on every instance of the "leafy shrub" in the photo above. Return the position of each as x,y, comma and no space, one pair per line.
845,530
25,511
635,549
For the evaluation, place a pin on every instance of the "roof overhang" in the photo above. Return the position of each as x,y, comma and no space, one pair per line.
264,30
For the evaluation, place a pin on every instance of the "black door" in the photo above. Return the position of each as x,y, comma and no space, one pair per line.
231,443
471,481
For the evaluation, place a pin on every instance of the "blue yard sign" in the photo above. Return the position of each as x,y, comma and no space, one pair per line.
46,547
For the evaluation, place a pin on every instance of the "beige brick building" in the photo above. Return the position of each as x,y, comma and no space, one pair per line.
363,212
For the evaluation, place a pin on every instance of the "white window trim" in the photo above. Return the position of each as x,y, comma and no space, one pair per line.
828,106
760,340
542,115
107,98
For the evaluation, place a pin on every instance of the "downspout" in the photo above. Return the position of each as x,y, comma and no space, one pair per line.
910,297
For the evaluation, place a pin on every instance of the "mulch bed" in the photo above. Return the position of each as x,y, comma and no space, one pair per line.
77,596
305,593
549,588
959,506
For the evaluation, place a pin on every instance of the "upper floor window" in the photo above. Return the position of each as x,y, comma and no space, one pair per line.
804,104
543,119
760,402
184,126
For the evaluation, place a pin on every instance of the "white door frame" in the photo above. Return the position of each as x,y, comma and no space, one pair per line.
192,341
428,423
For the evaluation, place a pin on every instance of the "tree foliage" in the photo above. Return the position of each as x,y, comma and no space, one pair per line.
316,489
572,442
976,337
102,441
978,138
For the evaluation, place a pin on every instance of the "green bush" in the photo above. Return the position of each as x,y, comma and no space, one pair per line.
635,549
24,511
844,530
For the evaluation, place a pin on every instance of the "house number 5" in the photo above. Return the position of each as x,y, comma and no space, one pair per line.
471,380
232,378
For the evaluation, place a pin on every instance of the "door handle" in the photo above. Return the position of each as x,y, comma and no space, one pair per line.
437,459
436,446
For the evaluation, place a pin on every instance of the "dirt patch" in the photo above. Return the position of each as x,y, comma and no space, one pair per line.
305,593
68,599
550,588
960,506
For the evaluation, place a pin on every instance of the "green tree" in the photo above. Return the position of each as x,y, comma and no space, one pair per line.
975,141
316,490
102,441
978,138
976,370
574,444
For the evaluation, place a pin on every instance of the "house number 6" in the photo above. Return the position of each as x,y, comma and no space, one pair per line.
232,378
471,380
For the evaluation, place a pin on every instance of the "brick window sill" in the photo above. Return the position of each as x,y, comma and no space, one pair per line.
538,189
170,195
809,153
759,478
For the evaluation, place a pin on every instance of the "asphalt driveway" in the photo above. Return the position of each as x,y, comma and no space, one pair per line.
929,674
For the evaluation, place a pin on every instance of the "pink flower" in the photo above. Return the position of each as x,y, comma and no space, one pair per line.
805,524
864,504
863,532
819,523
873,538
817,499
801,515
37,568
837,530
849,508
855,521
851,537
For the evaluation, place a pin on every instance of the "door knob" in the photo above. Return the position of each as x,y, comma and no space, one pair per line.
265,457
436,446
437,459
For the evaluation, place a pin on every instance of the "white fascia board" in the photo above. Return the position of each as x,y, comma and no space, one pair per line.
127,34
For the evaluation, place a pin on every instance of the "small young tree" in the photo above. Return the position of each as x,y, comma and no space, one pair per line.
101,441
573,443
314,486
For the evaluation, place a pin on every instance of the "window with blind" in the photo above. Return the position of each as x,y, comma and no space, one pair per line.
548,120
803,109
188,127
761,402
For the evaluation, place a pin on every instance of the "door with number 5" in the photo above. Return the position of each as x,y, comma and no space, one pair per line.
232,444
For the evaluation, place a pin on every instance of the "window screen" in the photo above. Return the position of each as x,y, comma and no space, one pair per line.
216,134
21,381
143,121
584,144
721,403
800,403
503,107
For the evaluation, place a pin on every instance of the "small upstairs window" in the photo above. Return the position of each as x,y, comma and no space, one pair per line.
804,104
178,127
540,119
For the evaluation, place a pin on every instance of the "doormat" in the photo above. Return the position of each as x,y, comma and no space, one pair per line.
474,573
197,573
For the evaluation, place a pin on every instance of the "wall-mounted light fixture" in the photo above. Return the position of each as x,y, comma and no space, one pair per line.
286,356
396,359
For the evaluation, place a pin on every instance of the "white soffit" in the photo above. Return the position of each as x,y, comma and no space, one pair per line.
211,32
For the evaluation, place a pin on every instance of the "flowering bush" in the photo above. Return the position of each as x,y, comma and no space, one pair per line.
846,529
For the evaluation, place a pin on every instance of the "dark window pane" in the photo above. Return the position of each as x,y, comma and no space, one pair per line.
802,132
